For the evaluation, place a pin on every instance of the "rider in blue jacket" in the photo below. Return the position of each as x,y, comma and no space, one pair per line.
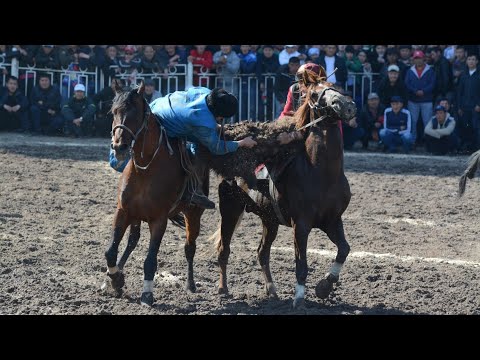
194,115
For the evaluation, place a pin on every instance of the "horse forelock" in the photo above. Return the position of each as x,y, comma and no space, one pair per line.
302,115
122,101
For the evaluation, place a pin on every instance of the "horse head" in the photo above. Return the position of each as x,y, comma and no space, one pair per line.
130,114
326,104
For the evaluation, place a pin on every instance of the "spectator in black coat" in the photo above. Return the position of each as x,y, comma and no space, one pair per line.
284,79
103,104
443,73
267,62
468,101
371,119
330,61
391,86
45,107
46,57
13,107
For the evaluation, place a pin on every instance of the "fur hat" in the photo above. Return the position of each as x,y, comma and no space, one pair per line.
222,103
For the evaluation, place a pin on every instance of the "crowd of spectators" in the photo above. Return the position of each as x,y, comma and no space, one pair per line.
408,95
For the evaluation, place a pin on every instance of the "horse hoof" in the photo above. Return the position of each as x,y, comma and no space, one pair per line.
323,289
147,298
271,291
299,304
222,291
117,280
118,293
190,286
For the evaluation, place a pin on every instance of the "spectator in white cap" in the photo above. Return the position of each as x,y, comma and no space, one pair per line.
392,85
288,52
313,54
78,113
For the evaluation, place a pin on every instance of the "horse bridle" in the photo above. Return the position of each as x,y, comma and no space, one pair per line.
320,109
146,115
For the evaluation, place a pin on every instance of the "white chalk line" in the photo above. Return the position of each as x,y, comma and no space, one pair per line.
366,254
406,156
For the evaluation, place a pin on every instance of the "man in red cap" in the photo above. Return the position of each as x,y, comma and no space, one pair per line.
420,82
295,98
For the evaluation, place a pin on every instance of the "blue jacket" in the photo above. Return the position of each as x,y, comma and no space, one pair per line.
426,83
185,115
392,122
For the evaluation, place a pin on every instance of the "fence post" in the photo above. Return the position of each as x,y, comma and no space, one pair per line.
14,69
189,76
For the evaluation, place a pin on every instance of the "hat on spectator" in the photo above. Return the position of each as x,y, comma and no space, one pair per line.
129,49
48,46
313,51
79,87
418,54
373,95
222,103
396,98
268,46
440,108
393,68
149,82
289,45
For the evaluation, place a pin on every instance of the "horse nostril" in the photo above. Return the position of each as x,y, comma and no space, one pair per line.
111,145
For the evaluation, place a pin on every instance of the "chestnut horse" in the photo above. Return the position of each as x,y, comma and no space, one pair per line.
311,192
149,189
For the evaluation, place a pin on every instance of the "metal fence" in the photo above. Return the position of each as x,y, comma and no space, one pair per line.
257,100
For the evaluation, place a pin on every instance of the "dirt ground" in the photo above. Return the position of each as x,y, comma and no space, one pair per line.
414,245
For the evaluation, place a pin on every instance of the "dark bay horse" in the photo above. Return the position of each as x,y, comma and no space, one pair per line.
473,162
149,189
311,192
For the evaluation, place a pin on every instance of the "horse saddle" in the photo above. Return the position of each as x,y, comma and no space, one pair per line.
266,189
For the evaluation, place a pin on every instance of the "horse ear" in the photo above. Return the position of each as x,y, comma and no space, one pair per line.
116,85
141,88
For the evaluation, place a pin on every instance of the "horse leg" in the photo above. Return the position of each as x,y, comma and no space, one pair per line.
231,210
336,234
157,229
131,245
192,224
120,224
301,232
270,230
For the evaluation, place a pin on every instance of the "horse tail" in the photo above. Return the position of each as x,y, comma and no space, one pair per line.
178,220
473,163
216,236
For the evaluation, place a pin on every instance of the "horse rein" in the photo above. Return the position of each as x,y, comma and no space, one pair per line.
146,115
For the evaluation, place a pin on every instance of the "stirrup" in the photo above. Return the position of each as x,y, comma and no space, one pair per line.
202,201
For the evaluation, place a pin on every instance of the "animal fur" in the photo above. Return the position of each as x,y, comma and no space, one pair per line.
243,162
